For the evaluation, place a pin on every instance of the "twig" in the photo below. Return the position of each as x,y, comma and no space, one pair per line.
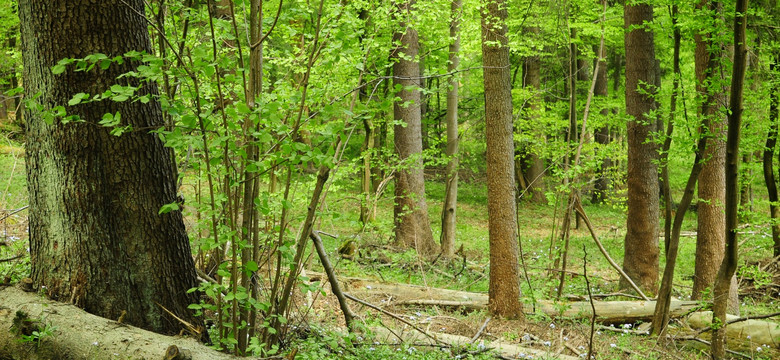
578,208
334,282
481,329
590,298
394,316
14,211
11,258
693,338
572,349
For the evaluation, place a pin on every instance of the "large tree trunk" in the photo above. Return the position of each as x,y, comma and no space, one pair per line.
76,334
534,166
711,239
96,238
504,288
451,194
641,242
771,144
412,226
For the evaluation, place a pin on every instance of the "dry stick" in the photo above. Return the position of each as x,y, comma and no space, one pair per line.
334,282
394,316
690,338
578,208
14,211
481,329
590,298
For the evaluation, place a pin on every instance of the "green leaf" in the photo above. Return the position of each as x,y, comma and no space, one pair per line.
168,208
251,266
77,99
58,69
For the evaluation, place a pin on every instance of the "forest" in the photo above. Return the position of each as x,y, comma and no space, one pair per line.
397,179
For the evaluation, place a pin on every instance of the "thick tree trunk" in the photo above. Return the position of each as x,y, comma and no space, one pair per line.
534,166
96,238
641,242
76,334
504,288
711,239
412,226
451,193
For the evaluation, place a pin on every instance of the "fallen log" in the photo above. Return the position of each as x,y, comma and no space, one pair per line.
608,312
511,351
746,334
76,334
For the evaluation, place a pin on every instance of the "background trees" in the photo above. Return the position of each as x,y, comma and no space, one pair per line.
258,97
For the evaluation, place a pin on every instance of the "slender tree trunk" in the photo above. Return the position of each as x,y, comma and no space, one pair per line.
602,134
504,288
412,226
96,238
769,151
729,265
451,193
641,241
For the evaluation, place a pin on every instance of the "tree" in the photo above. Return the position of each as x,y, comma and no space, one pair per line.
602,134
504,288
451,194
710,242
729,265
641,242
96,238
412,226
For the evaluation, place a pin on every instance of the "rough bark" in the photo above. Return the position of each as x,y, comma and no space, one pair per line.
412,226
641,241
534,166
712,181
451,194
728,267
96,238
76,334
504,288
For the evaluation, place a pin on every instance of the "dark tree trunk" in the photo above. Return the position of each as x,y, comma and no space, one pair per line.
96,238
602,134
504,288
412,226
728,267
769,150
641,241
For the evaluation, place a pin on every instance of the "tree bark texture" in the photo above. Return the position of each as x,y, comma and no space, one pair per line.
412,226
504,288
451,194
641,242
534,172
96,239
728,267
76,334
711,238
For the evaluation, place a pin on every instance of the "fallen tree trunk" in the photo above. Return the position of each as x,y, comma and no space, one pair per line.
76,334
608,312
510,351
746,334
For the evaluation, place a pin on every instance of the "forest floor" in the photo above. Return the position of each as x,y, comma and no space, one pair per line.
318,327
